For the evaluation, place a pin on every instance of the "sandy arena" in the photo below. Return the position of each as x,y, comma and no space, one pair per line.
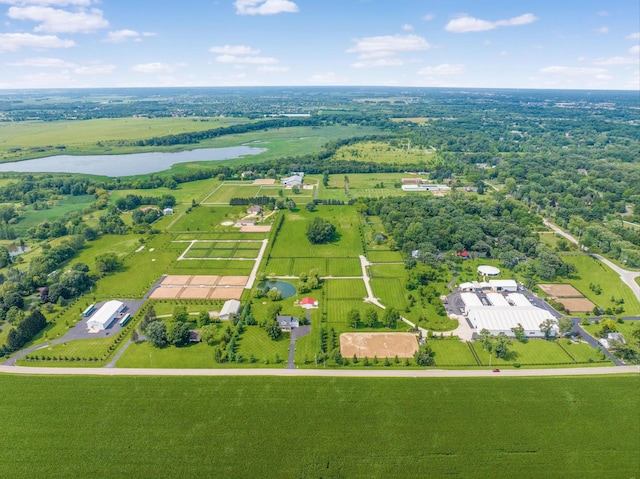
561,290
577,305
200,287
382,345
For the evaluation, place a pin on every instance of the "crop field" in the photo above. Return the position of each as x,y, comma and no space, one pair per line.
207,219
468,437
237,250
592,271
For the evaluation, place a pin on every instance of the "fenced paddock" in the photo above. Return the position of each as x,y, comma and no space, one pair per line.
200,287
382,345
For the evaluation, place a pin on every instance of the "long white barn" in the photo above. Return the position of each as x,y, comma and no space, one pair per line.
103,318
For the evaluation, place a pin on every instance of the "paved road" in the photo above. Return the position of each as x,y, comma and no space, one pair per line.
370,373
593,342
627,277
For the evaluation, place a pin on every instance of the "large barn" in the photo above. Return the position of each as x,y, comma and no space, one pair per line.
105,316
500,319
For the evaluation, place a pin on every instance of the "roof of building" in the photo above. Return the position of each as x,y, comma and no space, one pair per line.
292,180
105,314
287,322
503,318
471,300
496,299
519,299
231,306
308,301
488,270
503,283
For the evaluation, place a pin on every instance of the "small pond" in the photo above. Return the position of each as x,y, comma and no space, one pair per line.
287,289
379,237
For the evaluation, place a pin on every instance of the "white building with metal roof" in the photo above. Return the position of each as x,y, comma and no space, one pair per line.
500,319
105,316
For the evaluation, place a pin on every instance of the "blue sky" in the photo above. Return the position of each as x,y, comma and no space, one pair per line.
452,43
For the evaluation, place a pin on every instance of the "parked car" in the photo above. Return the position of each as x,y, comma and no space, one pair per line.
496,370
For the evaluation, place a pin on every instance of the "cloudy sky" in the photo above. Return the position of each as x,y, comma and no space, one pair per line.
455,43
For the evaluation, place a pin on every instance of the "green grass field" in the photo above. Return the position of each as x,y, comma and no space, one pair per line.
58,209
230,427
380,152
593,271
81,137
539,352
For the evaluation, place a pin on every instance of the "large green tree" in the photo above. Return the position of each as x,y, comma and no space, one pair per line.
320,231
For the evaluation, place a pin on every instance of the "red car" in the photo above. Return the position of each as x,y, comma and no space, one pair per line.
496,370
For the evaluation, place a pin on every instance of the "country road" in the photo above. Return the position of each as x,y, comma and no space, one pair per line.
352,373
627,277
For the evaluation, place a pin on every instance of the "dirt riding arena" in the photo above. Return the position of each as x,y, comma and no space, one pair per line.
264,182
200,287
561,290
255,228
576,305
382,345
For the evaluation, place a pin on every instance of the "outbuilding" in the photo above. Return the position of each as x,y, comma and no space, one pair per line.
105,316
509,285
230,307
501,319
487,270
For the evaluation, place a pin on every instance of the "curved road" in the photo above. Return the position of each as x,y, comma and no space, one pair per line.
627,277
359,373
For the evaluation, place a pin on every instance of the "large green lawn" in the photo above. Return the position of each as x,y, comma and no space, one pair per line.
60,427
592,271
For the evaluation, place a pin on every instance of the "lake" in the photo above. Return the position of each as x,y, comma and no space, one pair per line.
126,165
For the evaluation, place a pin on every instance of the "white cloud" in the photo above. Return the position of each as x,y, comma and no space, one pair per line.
95,70
380,62
603,30
385,44
635,50
155,67
615,61
42,62
466,23
407,27
572,71
634,36
122,36
55,3
11,42
246,60
265,7
53,20
428,17
234,50
444,69
273,69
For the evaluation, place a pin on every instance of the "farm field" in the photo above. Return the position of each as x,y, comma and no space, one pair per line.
58,209
383,152
592,271
184,193
468,436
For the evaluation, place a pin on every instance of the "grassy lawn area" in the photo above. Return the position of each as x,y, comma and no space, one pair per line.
536,352
232,189
57,209
383,152
345,289
592,271
82,137
184,193
468,437
452,353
